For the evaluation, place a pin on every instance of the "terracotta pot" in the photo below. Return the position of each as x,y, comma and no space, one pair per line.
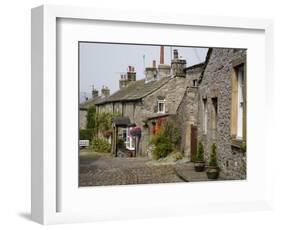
199,166
213,172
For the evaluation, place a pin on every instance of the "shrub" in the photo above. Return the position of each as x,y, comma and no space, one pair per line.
101,145
213,159
200,152
177,156
162,150
85,134
91,117
166,140
172,133
243,147
121,144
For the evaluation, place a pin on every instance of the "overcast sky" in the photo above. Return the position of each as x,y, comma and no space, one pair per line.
101,64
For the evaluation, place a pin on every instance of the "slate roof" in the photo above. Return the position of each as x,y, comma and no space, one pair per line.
91,102
135,90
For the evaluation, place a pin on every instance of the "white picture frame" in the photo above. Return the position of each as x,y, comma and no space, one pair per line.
47,183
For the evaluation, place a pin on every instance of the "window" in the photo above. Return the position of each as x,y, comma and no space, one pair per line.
238,103
161,106
130,142
195,83
214,116
205,116
240,74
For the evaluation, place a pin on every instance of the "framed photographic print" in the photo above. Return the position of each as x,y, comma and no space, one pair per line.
137,115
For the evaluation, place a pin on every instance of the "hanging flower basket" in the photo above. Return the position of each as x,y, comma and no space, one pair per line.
135,131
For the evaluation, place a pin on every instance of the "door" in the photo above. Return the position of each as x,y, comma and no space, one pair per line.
193,139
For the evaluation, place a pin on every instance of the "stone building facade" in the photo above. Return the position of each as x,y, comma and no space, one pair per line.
83,107
221,95
155,98
187,112
207,101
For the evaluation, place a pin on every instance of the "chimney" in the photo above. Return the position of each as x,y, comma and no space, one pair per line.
164,71
105,92
153,64
161,54
95,92
131,74
178,65
176,54
151,72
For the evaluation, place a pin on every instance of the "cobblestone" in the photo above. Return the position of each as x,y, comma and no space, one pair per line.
103,170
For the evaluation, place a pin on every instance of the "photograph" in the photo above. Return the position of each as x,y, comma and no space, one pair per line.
154,113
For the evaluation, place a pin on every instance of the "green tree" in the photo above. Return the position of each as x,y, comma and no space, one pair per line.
91,117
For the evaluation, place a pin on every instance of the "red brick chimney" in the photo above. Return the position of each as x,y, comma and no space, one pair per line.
161,54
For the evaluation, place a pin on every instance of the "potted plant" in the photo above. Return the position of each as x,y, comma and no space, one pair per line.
243,148
213,169
199,163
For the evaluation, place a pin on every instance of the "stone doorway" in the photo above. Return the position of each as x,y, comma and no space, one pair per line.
193,141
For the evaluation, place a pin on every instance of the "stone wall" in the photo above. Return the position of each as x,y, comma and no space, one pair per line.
216,83
187,113
187,116
82,119
139,110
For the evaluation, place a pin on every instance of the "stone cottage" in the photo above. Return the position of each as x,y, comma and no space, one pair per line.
83,107
206,101
222,109
152,100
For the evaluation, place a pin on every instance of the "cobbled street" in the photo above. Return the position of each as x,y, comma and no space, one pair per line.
101,169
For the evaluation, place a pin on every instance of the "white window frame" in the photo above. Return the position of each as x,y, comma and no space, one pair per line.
240,102
129,140
158,107
205,115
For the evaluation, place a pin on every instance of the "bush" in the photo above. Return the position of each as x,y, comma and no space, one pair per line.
162,150
177,156
172,133
243,147
166,140
101,145
121,144
91,117
200,152
85,134
213,159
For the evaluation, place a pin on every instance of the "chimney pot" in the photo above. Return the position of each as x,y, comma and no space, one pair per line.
176,54
154,64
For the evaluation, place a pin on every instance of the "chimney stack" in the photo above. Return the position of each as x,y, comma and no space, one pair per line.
161,54
105,92
176,54
153,64
178,65
151,72
131,74
127,78
95,92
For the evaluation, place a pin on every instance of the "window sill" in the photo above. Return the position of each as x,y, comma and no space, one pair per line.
236,143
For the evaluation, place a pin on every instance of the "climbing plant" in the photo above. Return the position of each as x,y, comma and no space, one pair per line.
91,117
